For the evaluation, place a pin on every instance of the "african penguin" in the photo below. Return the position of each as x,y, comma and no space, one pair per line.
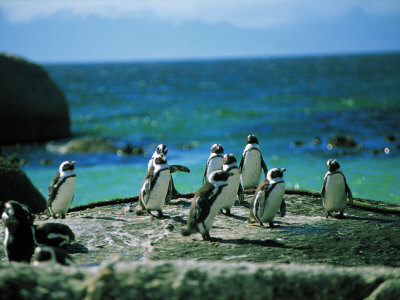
53,234
155,187
251,164
234,186
268,198
51,255
61,190
163,150
335,190
18,239
206,204
214,162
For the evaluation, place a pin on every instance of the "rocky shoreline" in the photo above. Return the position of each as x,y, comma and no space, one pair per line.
355,255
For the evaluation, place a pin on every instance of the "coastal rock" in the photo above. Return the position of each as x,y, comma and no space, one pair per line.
120,255
15,185
92,145
32,107
341,141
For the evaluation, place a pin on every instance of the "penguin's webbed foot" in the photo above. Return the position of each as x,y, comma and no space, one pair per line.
228,212
328,215
161,215
63,216
271,225
261,224
341,215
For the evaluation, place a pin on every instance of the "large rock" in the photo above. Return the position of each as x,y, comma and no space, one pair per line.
32,107
15,185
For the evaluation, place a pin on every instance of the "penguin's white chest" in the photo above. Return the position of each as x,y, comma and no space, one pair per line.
251,169
232,189
335,193
65,194
159,191
214,164
266,209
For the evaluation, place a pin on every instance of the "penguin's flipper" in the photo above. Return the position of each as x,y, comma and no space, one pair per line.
240,193
323,187
52,190
170,192
348,191
205,173
178,168
282,209
264,166
241,163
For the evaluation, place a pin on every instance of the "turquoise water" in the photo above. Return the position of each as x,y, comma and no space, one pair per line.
190,105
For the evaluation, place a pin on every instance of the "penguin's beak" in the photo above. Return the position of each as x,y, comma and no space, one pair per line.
283,170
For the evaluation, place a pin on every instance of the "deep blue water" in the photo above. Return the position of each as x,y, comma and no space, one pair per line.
190,105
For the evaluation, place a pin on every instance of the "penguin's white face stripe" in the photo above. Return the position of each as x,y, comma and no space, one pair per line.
59,236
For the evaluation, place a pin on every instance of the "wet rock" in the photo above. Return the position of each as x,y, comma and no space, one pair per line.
306,255
82,145
15,185
32,107
316,141
341,141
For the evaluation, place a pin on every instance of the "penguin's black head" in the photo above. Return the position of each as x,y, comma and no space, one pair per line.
229,158
332,165
220,176
17,213
162,149
276,173
67,166
252,139
160,160
217,148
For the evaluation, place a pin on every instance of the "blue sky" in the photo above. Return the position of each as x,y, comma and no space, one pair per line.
122,30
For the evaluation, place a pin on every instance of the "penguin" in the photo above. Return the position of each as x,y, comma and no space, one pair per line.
18,239
163,150
268,198
61,190
206,204
214,162
251,164
155,187
51,255
53,234
335,190
234,185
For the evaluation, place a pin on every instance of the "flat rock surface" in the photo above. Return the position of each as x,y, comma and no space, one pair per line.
303,236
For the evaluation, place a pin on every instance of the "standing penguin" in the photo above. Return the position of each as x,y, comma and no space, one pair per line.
154,188
234,185
206,204
214,162
18,239
163,150
335,189
251,164
268,198
61,190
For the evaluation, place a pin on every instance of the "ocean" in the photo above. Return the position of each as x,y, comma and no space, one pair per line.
294,105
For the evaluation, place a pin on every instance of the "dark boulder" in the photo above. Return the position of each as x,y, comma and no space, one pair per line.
32,107
15,185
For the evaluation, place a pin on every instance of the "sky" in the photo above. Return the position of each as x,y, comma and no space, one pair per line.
48,31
